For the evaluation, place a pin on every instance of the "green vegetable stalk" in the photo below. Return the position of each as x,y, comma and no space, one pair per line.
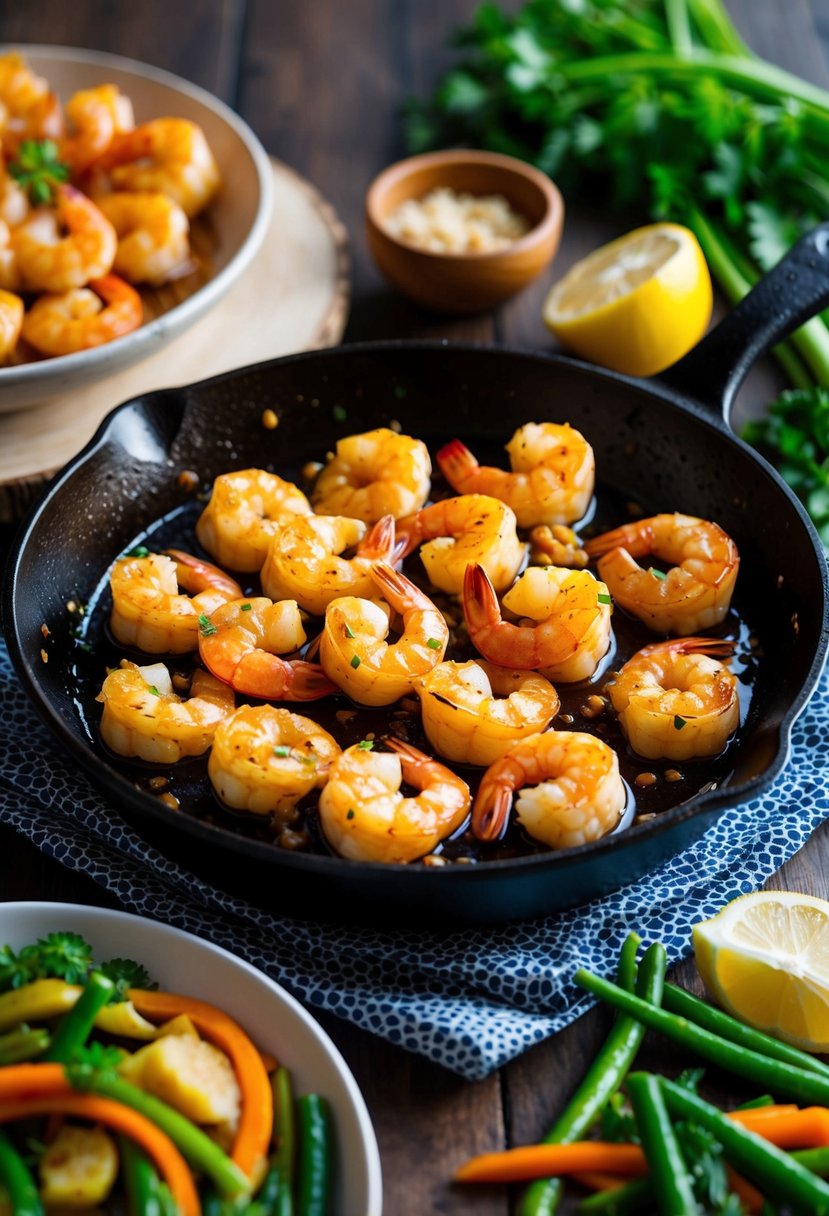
76,1026
285,1139
315,1147
669,1176
15,1176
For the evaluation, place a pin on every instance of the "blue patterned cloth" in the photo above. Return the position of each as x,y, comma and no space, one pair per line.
470,1000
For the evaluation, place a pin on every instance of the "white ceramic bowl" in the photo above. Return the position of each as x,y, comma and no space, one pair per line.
239,213
276,1022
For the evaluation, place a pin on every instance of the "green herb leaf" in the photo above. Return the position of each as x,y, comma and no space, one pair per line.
64,956
679,722
660,575
603,599
365,745
433,644
138,551
206,628
282,751
350,813
154,690
38,169
340,413
355,661
349,632
246,607
126,973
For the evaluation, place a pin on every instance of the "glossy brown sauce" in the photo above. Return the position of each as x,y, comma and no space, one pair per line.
185,786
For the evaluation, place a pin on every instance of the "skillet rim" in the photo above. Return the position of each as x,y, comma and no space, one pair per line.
118,787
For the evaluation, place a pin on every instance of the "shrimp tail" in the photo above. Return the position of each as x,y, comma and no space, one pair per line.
456,463
716,648
491,810
196,575
411,758
409,535
636,538
263,675
378,544
400,592
481,609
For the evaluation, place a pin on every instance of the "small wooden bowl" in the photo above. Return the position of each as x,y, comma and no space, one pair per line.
464,282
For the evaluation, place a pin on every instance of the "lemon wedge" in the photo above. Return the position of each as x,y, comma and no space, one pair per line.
635,305
765,958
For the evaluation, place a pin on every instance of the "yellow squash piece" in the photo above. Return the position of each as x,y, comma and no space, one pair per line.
181,1025
635,305
189,1074
78,1168
765,958
45,999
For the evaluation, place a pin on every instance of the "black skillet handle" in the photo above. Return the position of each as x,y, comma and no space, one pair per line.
793,291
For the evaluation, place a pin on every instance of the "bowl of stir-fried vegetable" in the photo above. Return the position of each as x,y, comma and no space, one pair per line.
141,1065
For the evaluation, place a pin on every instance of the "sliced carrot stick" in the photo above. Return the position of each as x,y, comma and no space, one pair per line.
171,1165
750,1197
256,1119
596,1181
547,1160
783,1126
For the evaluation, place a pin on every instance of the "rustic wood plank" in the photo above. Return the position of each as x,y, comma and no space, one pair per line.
199,40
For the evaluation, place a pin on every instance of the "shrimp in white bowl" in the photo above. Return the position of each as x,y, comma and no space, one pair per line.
676,699
265,759
473,712
565,628
694,594
241,643
569,790
365,816
552,478
158,600
374,474
456,532
355,654
144,717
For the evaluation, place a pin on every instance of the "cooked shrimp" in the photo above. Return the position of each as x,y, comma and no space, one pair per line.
170,155
149,612
9,274
241,642
675,701
14,201
355,654
695,594
577,793
28,108
473,712
83,317
48,260
552,478
265,759
374,474
96,115
246,510
305,559
569,629
153,236
11,321
366,818
144,717
460,531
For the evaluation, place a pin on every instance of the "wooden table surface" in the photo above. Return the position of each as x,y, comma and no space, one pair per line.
321,84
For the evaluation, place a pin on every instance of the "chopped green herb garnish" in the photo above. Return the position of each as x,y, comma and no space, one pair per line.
349,632
205,627
282,751
139,551
657,573
64,956
246,607
154,690
340,413
38,169
350,813
355,661
126,973
365,745
679,722
433,644
604,599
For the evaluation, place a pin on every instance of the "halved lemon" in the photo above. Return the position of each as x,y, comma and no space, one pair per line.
635,305
765,958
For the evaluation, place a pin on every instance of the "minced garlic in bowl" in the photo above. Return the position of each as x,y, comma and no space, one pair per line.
444,221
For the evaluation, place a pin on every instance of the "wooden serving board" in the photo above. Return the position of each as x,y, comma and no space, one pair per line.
294,296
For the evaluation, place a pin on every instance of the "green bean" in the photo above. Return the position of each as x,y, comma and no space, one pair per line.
784,1080
23,1043
145,1190
621,1201
75,1026
677,1000
196,1147
313,1191
15,1175
666,1165
285,1137
605,1074
774,1171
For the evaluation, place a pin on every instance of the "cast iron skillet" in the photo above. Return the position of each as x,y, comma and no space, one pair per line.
663,441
